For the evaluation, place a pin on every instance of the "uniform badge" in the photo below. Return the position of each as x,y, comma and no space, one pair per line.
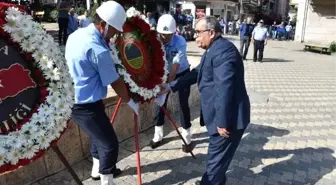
165,28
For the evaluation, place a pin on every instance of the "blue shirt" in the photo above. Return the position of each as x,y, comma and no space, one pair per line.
85,22
151,21
72,24
176,53
260,33
246,30
90,64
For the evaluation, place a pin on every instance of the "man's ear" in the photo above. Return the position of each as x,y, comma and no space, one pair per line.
212,34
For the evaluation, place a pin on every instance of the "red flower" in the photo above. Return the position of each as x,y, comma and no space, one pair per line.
27,56
44,92
2,31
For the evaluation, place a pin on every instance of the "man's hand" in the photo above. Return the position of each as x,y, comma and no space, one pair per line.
164,89
265,43
161,99
223,132
134,106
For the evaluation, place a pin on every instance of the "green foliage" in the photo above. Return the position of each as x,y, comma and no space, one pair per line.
92,10
54,15
80,10
333,46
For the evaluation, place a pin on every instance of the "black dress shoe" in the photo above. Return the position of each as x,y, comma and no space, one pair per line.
198,182
116,172
95,178
154,145
187,148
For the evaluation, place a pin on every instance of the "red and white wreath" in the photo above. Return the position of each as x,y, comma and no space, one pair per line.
45,124
146,89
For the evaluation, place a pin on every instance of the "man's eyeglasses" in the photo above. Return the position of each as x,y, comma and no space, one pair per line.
199,32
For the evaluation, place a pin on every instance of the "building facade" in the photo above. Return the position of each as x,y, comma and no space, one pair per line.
315,21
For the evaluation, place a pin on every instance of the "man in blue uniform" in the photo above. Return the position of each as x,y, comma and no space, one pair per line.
92,69
259,37
178,65
225,105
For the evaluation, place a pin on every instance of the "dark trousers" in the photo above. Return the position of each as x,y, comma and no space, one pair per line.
93,120
258,46
220,153
62,30
244,46
184,106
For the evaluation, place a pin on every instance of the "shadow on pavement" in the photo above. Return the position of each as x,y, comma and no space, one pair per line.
300,166
276,60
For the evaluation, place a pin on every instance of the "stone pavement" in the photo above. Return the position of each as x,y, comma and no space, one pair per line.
291,140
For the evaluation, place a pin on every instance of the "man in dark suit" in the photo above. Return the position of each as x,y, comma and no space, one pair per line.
245,37
225,105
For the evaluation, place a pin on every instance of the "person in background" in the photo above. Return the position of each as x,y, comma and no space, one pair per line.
85,21
281,31
274,30
289,29
246,30
259,37
180,19
63,21
92,70
73,22
190,19
150,20
222,23
178,66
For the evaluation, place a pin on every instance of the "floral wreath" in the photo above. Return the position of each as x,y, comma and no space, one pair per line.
149,89
44,125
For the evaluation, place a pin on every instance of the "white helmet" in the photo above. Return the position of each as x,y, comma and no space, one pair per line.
113,14
166,24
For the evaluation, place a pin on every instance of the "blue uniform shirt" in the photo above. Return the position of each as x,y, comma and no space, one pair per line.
90,64
260,33
176,53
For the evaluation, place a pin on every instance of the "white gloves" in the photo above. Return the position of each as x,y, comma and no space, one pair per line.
134,106
160,100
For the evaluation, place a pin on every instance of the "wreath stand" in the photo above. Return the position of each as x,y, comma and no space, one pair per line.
136,131
67,164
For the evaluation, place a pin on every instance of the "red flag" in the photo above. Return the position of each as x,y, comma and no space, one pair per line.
14,80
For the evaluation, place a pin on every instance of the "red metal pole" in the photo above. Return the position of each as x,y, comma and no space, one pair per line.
114,115
137,148
175,127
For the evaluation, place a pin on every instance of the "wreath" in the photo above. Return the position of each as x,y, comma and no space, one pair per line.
43,124
140,57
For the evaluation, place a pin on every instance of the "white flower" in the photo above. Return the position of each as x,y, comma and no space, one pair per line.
26,46
131,12
11,26
13,156
37,118
52,74
45,110
37,55
12,11
29,151
44,142
18,36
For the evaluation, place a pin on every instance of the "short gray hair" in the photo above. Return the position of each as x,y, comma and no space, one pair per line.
211,23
